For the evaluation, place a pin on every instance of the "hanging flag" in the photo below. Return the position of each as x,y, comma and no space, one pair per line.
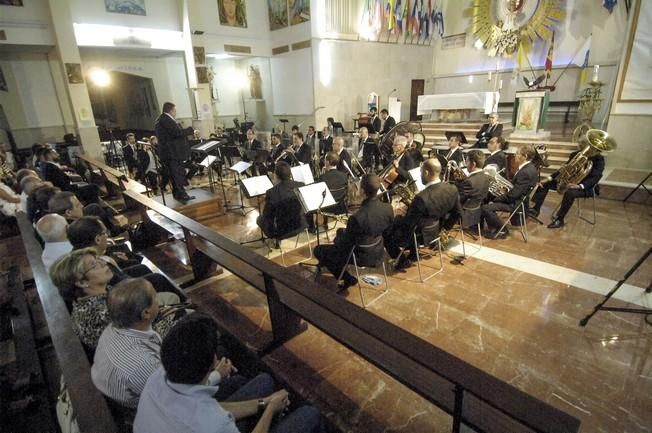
609,4
390,18
426,18
414,18
377,16
549,57
582,58
437,19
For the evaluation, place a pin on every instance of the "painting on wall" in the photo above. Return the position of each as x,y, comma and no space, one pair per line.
202,75
3,82
200,55
299,11
232,13
74,73
130,7
11,2
529,110
278,14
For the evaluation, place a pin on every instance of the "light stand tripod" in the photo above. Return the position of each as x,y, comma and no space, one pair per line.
645,311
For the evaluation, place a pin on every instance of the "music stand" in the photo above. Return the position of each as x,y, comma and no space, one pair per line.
230,152
257,158
314,197
302,173
415,174
255,187
238,168
460,134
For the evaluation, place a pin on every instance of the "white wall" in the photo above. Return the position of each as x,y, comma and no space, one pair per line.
161,14
27,25
293,88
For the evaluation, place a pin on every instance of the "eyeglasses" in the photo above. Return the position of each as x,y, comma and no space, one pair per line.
97,262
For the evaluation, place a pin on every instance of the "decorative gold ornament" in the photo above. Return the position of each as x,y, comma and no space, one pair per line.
504,27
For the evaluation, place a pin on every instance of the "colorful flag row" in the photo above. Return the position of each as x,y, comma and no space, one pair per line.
412,18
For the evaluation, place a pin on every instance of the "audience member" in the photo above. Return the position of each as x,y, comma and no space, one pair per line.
52,230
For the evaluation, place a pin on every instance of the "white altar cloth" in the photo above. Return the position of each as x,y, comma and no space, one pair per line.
487,101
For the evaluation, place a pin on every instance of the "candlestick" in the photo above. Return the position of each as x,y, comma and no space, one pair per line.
596,70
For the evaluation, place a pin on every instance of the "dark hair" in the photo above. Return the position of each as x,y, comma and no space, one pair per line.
311,127
36,147
332,158
82,233
330,120
527,150
127,300
24,172
477,157
295,127
60,202
277,136
384,111
370,184
282,170
373,109
168,106
299,134
41,196
189,349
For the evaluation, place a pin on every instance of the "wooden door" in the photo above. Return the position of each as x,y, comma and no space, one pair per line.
416,91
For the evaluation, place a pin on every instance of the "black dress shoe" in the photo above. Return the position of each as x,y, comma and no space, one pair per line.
347,281
533,212
556,223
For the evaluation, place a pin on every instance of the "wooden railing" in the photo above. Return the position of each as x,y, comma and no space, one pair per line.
90,407
472,396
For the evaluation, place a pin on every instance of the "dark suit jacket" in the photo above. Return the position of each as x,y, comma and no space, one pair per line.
374,125
457,156
325,145
405,164
130,157
344,156
311,140
337,183
473,190
53,173
390,122
595,174
282,213
497,158
276,152
523,180
173,142
363,227
304,154
255,145
484,134
369,151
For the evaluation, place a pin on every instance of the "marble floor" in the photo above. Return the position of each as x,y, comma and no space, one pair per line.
511,309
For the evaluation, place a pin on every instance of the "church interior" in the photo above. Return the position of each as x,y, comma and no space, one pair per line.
530,312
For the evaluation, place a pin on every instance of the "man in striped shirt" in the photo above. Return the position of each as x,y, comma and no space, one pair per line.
128,349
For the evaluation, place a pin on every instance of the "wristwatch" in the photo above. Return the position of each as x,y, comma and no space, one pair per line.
262,404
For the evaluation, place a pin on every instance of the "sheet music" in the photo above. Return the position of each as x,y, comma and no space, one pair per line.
311,196
206,147
415,174
302,173
257,185
208,161
240,166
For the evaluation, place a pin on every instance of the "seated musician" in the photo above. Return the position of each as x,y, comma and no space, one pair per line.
474,189
252,145
414,147
326,141
129,152
337,183
148,166
280,214
402,161
302,150
455,150
363,227
431,205
368,151
53,172
489,131
276,151
525,178
343,156
497,156
387,122
586,188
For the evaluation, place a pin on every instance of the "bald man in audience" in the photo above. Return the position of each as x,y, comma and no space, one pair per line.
52,229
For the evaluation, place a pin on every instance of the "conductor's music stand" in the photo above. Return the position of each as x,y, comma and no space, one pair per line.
255,187
238,168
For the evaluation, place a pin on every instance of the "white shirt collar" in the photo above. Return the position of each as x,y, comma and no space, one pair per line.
171,117
495,151
523,165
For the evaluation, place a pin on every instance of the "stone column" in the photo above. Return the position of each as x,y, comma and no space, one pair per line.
77,93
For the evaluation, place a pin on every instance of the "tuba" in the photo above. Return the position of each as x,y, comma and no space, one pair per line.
454,173
578,168
498,185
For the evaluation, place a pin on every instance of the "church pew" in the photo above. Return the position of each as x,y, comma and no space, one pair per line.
91,409
469,394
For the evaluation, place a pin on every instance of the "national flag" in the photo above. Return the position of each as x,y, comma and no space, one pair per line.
398,13
549,56
414,18
426,18
437,19
582,58
389,15
377,21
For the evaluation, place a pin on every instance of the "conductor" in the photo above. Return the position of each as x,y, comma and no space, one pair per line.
173,149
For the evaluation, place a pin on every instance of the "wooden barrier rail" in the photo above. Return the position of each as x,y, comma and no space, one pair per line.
91,409
472,396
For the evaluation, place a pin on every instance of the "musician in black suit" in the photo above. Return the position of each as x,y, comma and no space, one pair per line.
402,161
488,131
311,137
342,155
431,205
387,121
252,142
368,152
173,149
455,150
303,150
277,150
374,124
129,152
414,147
362,228
326,142
253,145
586,188
282,212
497,156
337,183
525,178
148,166
474,189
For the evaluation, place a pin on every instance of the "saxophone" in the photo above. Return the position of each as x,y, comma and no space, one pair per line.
572,173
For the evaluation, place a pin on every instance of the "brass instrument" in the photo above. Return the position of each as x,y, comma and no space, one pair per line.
498,185
578,168
454,173
405,193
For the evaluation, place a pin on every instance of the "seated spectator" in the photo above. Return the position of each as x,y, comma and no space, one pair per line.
89,231
9,201
52,230
83,281
66,204
37,202
27,185
179,396
53,172
25,172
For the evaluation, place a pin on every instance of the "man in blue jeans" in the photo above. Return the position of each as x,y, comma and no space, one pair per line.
180,396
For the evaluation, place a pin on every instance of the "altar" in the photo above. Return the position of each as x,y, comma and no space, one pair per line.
458,107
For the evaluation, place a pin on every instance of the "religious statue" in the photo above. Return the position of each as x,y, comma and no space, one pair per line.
255,83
